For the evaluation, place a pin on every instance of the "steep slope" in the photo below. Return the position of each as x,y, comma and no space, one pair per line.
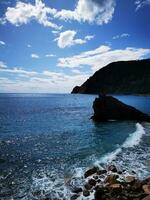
125,77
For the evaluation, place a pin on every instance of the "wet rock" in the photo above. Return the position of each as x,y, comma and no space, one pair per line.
92,182
134,196
116,188
99,193
137,186
146,198
90,172
128,187
99,181
74,196
86,193
95,177
133,172
111,179
130,179
102,171
146,181
112,168
88,186
146,189
77,190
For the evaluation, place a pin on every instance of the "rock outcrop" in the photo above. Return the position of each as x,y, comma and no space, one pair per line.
104,184
124,77
109,108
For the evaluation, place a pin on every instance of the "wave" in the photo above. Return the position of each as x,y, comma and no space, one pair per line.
133,140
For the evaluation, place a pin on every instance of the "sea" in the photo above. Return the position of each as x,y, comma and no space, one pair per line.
47,140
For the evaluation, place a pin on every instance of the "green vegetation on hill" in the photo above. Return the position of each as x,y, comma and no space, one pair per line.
124,77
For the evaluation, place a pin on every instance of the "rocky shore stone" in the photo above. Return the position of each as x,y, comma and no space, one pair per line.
129,179
109,184
92,182
74,196
95,177
111,179
77,190
100,193
86,193
146,181
90,171
117,188
102,171
146,189
146,198
88,186
112,168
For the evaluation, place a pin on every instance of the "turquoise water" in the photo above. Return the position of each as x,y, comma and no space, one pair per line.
48,138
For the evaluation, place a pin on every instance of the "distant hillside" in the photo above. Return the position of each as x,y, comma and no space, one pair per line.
125,77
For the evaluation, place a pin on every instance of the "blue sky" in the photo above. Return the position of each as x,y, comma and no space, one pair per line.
48,46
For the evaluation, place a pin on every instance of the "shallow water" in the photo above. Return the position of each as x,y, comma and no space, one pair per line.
47,138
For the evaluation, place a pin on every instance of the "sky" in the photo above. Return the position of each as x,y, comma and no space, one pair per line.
50,46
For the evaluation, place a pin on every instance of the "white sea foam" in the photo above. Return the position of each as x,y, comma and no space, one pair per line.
110,156
79,172
133,140
59,189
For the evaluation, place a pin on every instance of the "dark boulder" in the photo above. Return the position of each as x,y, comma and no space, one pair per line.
90,172
109,108
112,168
77,190
86,193
92,182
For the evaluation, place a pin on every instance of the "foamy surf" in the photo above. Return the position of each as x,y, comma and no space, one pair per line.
133,140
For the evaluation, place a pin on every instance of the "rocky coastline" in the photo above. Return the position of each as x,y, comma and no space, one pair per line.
111,183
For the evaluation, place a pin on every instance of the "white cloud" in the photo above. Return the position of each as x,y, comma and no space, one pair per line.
76,71
141,3
50,55
23,13
102,56
2,43
91,11
67,39
89,37
32,81
29,45
17,70
2,65
36,84
46,81
55,32
124,35
34,55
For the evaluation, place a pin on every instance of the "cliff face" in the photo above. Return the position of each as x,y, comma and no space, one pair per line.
125,77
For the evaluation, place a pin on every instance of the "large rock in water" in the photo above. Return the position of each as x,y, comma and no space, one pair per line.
109,108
